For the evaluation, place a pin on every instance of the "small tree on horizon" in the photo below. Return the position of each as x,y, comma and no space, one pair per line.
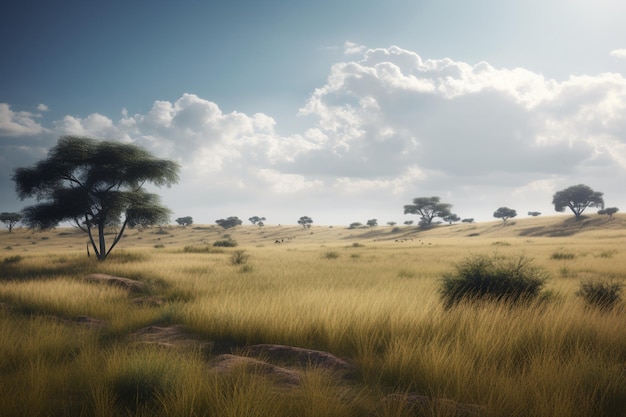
609,211
372,222
468,220
391,223
577,198
10,220
305,221
232,221
95,184
504,213
428,208
185,221
451,218
534,213
256,219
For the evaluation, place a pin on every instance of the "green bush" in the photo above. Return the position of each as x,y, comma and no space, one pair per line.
228,243
604,295
239,257
495,278
331,254
562,255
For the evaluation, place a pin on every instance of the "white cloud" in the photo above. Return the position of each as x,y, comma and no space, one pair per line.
351,48
19,123
619,53
42,107
385,128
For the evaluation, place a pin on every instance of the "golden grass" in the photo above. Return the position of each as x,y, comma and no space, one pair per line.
369,296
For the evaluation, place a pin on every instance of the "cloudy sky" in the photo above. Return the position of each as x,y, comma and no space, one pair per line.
341,110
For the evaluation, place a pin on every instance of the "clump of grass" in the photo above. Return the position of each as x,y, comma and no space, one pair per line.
331,254
10,260
562,255
604,295
123,257
357,245
246,269
239,257
608,253
501,243
196,249
159,246
404,273
226,243
494,278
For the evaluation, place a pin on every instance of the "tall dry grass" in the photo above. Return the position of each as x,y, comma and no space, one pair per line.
374,302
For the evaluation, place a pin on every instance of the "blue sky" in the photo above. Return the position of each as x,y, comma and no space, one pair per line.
340,110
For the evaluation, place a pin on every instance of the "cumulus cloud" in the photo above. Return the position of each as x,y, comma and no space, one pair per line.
619,53
20,123
388,126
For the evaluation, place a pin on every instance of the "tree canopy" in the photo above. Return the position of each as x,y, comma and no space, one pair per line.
428,208
256,219
451,218
232,221
305,221
10,220
577,198
95,184
185,221
609,211
504,213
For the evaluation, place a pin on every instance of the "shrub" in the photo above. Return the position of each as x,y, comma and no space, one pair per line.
562,255
227,243
12,259
239,257
604,295
331,255
492,278
196,249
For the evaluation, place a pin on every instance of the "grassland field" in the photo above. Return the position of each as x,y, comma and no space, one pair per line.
368,297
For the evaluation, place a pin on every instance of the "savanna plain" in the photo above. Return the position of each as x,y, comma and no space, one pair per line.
325,321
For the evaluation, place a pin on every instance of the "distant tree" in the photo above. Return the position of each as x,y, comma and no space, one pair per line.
451,218
504,213
305,221
427,208
609,211
372,222
95,184
10,220
534,213
256,219
468,220
228,223
577,198
260,224
408,222
391,223
185,221
355,225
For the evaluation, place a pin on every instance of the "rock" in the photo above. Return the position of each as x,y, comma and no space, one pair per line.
128,284
298,356
282,376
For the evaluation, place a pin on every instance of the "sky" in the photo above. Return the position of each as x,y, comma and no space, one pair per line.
342,110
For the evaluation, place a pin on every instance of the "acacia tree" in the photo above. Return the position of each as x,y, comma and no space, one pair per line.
451,218
609,211
504,213
305,221
232,221
577,198
10,220
95,184
428,208
256,219
372,222
185,221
